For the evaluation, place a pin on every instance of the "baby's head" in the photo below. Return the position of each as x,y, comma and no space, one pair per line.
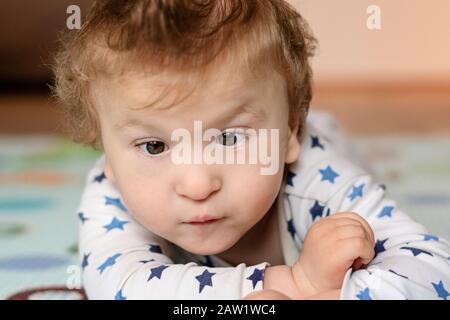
139,70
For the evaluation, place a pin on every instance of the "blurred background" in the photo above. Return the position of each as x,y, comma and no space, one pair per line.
389,88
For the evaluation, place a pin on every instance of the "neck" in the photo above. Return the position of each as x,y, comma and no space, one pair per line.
261,243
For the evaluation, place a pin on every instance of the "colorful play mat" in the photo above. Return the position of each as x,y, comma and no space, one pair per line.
41,180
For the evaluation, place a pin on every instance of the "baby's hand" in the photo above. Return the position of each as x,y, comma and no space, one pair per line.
333,245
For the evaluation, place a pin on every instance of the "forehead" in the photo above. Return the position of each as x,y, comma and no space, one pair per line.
144,92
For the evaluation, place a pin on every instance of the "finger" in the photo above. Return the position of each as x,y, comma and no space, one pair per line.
353,248
329,223
328,228
357,217
351,231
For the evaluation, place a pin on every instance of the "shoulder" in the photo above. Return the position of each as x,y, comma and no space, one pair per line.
326,162
99,191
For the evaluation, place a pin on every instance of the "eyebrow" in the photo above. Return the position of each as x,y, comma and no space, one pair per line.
134,122
243,108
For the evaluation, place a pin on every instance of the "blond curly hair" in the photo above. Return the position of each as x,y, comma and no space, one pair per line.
180,35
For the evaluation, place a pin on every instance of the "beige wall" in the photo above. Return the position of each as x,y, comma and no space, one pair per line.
414,40
413,43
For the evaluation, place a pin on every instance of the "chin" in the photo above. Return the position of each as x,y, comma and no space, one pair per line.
207,249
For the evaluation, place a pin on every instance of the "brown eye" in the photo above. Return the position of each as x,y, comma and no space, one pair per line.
154,147
227,138
231,138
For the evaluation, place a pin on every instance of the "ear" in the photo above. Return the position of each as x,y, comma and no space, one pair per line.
292,147
108,171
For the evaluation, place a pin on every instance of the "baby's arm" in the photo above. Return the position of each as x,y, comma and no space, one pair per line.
332,245
409,263
123,260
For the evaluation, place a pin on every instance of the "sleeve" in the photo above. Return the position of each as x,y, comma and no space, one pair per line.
409,263
120,259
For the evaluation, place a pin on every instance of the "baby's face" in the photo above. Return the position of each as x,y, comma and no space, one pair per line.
165,196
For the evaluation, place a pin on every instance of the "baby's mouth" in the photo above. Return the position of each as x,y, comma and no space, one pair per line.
204,223
203,220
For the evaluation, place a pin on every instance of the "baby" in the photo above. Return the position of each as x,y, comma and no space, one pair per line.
158,222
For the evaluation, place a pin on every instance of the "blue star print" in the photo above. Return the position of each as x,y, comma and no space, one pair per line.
357,191
204,279
100,177
257,275
416,251
440,290
290,176
82,217
85,262
115,224
364,294
115,202
315,143
146,261
386,211
317,210
428,237
156,272
119,296
155,248
109,262
390,270
328,174
379,246
291,228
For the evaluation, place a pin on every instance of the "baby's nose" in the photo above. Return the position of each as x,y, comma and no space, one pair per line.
197,183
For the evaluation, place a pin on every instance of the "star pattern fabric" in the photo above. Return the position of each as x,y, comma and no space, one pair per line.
156,272
318,211
364,294
205,279
115,224
291,228
116,202
390,270
154,248
440,290
256,276
429,237
119,295
120,259
100,177
290,177
328,174
108,262
386,212
416,251
357,191
315,143
85,261
82,217
379,246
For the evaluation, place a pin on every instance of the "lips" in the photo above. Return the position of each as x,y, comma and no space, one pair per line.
204,220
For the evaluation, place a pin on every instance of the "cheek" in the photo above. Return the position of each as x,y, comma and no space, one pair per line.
255,193
145,195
